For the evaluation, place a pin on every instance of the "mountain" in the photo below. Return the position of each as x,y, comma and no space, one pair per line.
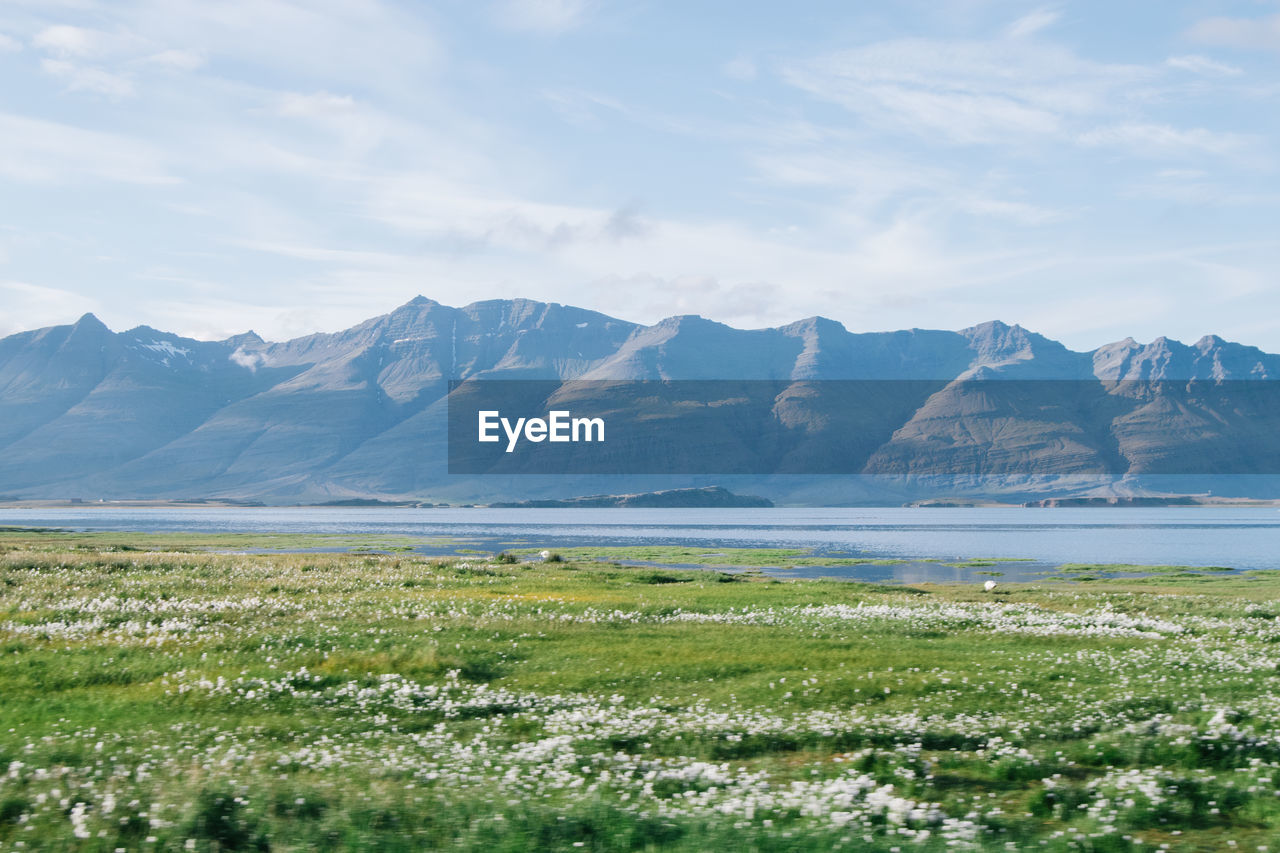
361,413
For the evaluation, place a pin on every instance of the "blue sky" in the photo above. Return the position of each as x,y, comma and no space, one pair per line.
1090,170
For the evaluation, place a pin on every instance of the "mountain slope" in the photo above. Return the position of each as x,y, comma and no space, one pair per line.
360,412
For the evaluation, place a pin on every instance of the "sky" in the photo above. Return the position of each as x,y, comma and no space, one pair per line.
1089,170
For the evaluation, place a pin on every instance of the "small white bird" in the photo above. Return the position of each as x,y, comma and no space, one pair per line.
988,586
544,554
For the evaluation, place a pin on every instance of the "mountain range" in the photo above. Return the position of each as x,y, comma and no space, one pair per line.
92,413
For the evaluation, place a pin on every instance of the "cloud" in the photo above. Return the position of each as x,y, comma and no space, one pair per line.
359,128
338,170
315,104
38,151
67,41
966,92
176,60
1019,212
582,109
1032,23
1014,93
626,222
1202,65
469,246
248,360
1243,33
542,16
457,216
76,56
81,78
1163,139
1196,187
379,45
31,306
871,185
570,254
9,44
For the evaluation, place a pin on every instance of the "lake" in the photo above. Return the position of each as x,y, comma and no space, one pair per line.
926,539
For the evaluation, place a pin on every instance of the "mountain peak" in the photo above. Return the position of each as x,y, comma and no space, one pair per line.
994,338
413,306
991,327
1000,347
250,337
815,324
87,329
90,321
1208,342
685,321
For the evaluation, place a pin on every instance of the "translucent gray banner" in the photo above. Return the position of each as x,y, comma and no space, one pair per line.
965,428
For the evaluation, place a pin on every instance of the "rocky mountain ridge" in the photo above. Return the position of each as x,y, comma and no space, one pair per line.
85,411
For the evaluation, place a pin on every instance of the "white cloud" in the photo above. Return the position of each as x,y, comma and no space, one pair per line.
177,60
542,16
965,91
432,207
315,104
470,245
1163,139
358,128
1019,212
382,46
870,184
303,310
67,41
81,78
503,246
78,56
247,360
1202,65
323,134
8,43
1033,23
37,151
1012,93
582,109
32,306
1244,33
1198,188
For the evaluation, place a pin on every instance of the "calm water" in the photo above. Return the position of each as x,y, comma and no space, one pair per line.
1247,538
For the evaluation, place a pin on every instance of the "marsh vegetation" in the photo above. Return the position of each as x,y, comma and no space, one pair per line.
179,700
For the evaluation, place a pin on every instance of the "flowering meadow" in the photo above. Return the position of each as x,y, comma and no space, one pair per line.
181,700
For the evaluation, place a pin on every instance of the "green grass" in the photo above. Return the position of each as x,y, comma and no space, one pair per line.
686,556
1136,568
395,702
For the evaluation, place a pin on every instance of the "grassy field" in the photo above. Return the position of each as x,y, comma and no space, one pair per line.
178,700
712,557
